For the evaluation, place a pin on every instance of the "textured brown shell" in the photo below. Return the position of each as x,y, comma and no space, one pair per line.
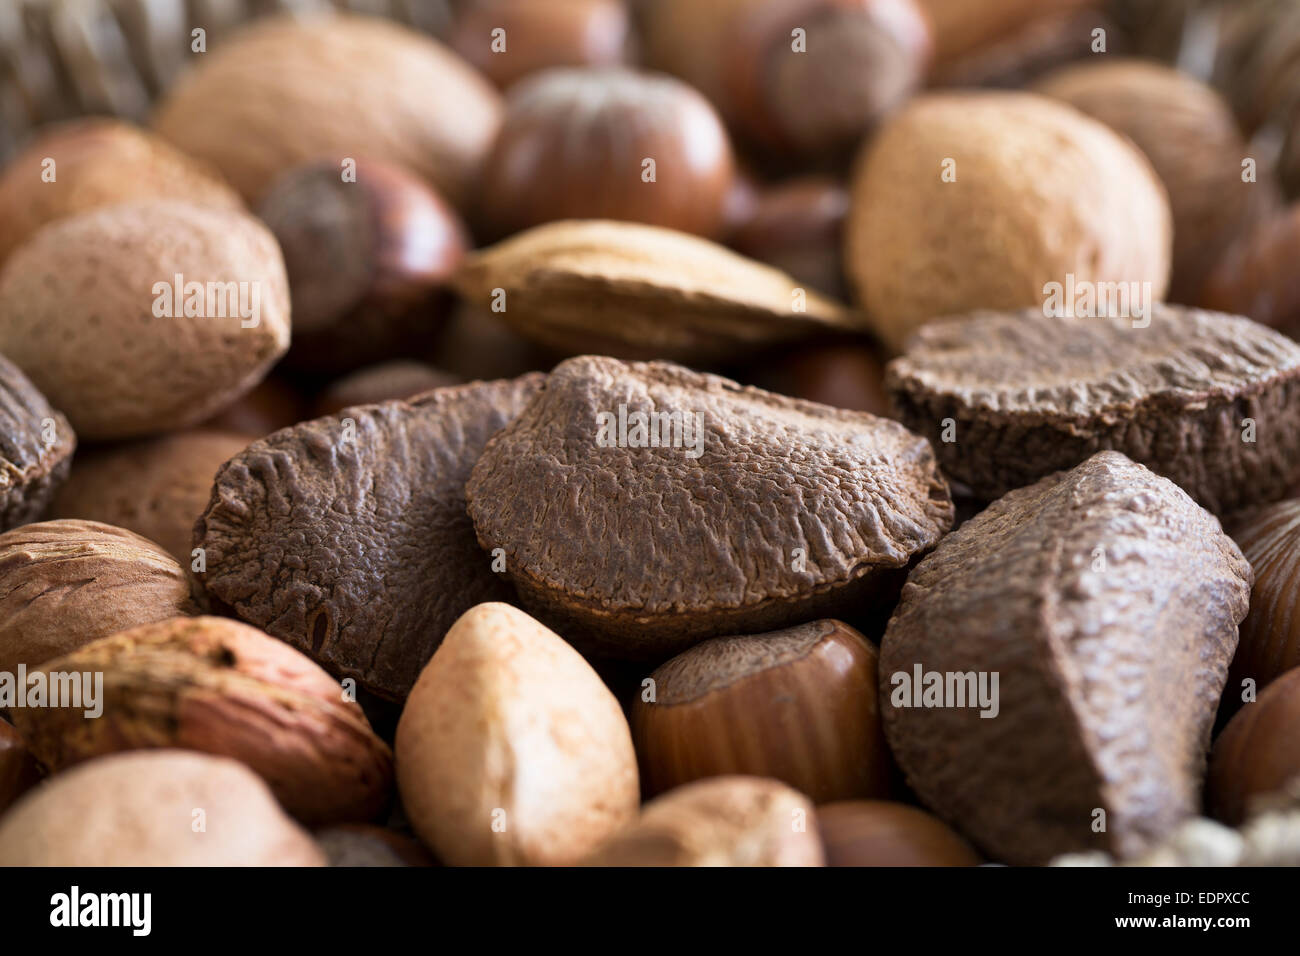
641,552
1031,395
30,469
1107,602
360,553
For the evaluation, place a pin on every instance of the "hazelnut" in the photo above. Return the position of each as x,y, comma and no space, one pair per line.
64,584
398,379
1189,134
367,260
18,769
160,808
539,35
880,833
945,219
224,688
1257,276
147,316
841,374
510,750
722,821
797,705
155,487
808,78
97,162
797,226
1270,635
341,86
607,144
36,445
1258,753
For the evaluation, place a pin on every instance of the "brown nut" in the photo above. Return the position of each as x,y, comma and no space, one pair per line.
342,86
534,36
945,219
607,144
842,375
1270,634
961,27
272,404
19,771
64,584
477,343
97,162
797,705
880,833
510,750
1257,276
797,226
1258,753
364,844
218,686
722,821
367,257
384,382
147,316
1189,133
808,77
160,808
156,487
36,445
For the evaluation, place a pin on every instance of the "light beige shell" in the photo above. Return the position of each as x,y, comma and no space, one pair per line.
78,304
510,750
637,291
1040,192
154,808
284,91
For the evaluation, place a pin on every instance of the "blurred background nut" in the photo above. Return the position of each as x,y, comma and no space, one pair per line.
1270,635
97,162
398,379
270,405
879,833
539,35
367,259
510,750
364,844
1258,753
156,487
36,445
796,226
814,94
64,584
90,310
289,90
142,809
722,821
608,143
1257,277
222,687
844,374
978,199
477,343
1191,138
797,705
18,768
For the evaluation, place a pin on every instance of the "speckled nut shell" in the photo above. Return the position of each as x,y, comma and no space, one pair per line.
36,445
80,307
977,200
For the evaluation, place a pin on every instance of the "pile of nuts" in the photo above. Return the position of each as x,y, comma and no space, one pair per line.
651,433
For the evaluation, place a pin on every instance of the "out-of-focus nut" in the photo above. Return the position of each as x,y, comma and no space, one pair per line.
19,771
879,833
1258,753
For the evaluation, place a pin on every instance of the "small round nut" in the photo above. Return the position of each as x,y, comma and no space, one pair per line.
1258,753
880,833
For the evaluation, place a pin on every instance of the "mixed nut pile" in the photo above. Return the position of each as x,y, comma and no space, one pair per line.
661,432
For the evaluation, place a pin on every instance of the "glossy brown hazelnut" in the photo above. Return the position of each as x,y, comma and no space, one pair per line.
400,378
1258,753
607,144
841,374
881,833
1269,642
18,768
534,36
804,78
1257,277
367,251
797,705
797,227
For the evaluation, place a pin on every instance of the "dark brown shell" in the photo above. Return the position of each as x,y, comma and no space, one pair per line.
1030,395
30,470
359,553
1107,602
642,552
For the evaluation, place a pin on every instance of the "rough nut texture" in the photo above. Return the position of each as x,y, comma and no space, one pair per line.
1107,602
222,687
36,445
636,291
1040,192
347,536
156,487
510,750
64,584
139,809
793,510
1185,396
722,821
78,304
288,90
97,162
